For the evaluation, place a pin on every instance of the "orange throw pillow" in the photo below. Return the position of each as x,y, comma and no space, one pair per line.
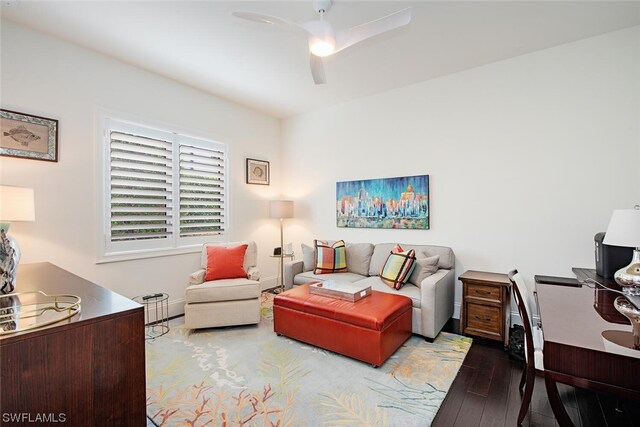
225,263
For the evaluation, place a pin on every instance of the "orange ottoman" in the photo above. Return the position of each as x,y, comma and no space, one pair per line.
369,330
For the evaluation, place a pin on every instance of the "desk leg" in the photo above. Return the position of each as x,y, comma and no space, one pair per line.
556,404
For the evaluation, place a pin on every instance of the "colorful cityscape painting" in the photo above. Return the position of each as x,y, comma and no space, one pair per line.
384,203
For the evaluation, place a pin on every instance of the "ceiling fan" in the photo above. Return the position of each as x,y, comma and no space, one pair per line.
323,39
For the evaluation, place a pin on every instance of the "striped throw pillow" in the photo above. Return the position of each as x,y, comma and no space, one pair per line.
330,258
398,267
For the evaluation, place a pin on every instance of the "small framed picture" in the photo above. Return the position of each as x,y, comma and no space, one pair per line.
26,136
257,172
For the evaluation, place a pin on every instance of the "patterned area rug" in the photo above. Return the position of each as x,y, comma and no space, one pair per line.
247,375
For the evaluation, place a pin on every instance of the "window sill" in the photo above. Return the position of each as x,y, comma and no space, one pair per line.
144,254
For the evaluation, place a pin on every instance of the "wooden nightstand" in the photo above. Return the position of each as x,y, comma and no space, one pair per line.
486,305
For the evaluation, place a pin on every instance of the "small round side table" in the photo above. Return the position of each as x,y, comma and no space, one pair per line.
156,306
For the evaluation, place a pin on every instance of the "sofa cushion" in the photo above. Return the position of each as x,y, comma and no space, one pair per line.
222,290
330,258
447,258
379,257
398,267
424,267
308,257
381,251
225,263
309,276
408,290
359,257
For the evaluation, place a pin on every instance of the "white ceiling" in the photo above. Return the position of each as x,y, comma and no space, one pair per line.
200,44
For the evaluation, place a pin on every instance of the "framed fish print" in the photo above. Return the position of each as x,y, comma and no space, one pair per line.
27,136
257,172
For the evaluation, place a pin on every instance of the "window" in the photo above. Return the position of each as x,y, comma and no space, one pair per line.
163,191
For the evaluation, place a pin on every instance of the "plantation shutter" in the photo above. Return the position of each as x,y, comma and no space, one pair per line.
140,188
163,192
202,191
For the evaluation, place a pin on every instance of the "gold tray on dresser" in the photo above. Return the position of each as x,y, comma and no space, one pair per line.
24,311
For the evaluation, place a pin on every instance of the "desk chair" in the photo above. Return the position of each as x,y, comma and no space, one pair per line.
533,342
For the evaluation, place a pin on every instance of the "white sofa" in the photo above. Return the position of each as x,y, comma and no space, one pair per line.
432,299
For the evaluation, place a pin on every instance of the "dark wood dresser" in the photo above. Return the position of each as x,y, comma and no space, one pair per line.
485,309
88,370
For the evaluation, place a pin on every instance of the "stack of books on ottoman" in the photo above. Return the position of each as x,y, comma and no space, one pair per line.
341,290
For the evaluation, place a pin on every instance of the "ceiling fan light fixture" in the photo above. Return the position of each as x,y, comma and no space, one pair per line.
323,40
322,46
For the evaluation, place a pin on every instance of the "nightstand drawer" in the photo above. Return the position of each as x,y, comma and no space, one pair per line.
487,292
484,318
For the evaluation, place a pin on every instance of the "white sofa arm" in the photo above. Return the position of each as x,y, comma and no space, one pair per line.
437,297
291,268
253,273
197,278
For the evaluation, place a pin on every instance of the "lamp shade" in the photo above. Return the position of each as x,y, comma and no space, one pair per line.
281,209
16,204
624,228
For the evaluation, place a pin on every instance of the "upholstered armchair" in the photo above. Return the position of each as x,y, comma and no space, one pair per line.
226,300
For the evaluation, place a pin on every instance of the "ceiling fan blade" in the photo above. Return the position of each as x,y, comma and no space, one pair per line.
353,35
317,70
316,28
264,19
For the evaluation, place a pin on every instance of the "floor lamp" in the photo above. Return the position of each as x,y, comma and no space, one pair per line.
281,209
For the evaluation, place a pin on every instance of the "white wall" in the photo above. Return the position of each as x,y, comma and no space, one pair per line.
527,157
50,78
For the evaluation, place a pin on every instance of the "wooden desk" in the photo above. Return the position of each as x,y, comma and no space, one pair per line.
575,351
88,370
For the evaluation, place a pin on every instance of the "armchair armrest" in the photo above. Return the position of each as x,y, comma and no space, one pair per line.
291,268
253,273
197,277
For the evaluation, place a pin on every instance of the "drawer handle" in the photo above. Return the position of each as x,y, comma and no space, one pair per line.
483,292
484,319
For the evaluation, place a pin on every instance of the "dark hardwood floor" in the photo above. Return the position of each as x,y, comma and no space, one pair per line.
485,393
